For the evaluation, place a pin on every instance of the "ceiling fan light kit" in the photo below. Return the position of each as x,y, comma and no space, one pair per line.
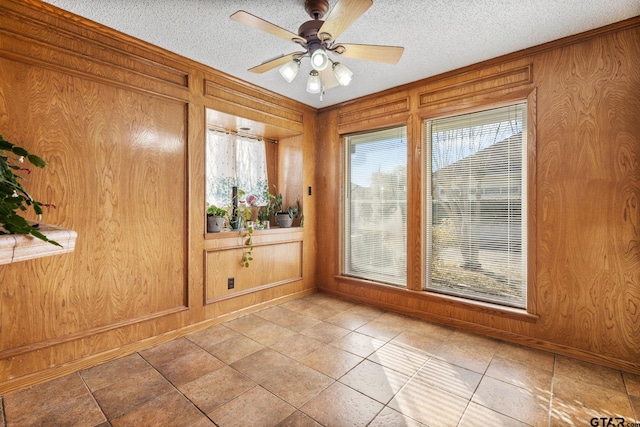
318,37
314,84
342,73
289,70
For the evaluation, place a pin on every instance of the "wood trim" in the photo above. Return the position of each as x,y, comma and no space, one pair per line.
253,290
240,96
479,306
600,359
12,352
459,90
109,355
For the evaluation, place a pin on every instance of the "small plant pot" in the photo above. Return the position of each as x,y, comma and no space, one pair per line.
214,224
284,220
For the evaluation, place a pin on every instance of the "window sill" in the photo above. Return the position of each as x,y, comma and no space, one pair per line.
479,306
234,233
20,247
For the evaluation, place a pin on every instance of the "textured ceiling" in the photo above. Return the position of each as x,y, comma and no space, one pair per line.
438,35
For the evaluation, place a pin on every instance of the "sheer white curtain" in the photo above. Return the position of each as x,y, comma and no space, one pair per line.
233,160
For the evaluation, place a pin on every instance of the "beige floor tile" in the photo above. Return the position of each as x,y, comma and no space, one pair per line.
330,301
479,415
340,405
256,408
359,344
321,312
635,404
399,358
575,401
512,401
112,372
433,330
325,332
520,375
261,364
332,361
297,346
169,409
454,379
380,330
296,384
415,340
532,357
632,382
216,388
299,419
209,337
370,312
297,305
389,417
234,349
163,353
31,400
287,318
81,411
349,320
259,329
190,367
375,381
429,405
467,350
126,395
590,373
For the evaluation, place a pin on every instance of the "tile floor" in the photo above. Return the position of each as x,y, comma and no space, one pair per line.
322,361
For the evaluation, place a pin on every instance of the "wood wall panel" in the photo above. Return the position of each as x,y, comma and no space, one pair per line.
585,185
122,125
272,265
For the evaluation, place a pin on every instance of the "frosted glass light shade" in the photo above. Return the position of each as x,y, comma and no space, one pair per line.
342,73
289,70
319,60
314,84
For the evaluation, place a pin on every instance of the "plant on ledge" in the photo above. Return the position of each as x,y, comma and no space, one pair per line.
284,216
13,196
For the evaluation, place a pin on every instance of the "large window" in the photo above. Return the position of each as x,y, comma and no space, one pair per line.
235,161
375,231
476,205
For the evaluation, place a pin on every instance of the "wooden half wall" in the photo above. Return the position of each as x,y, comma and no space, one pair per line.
122,125
583,97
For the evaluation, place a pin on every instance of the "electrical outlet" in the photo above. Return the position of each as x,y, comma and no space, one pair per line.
230,283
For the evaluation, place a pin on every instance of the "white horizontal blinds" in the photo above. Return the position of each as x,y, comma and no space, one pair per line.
376,206
478,205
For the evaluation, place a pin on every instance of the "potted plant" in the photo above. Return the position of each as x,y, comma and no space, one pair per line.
13,196
284,216
215,219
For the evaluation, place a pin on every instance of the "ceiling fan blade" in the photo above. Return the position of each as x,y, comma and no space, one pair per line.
253,21
343,14
275,62
328,79
370,52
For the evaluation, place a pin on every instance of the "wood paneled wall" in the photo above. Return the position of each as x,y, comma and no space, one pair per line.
584,192
122,126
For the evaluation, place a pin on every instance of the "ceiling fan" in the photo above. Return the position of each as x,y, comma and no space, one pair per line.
317,38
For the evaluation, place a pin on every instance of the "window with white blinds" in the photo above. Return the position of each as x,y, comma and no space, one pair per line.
375,206
476,205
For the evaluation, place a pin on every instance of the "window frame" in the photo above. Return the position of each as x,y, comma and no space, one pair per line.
530,313
344,182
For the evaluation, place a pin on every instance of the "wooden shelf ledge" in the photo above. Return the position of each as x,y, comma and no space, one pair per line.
20,247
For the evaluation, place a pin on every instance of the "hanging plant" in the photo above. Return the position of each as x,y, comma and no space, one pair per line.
13,196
